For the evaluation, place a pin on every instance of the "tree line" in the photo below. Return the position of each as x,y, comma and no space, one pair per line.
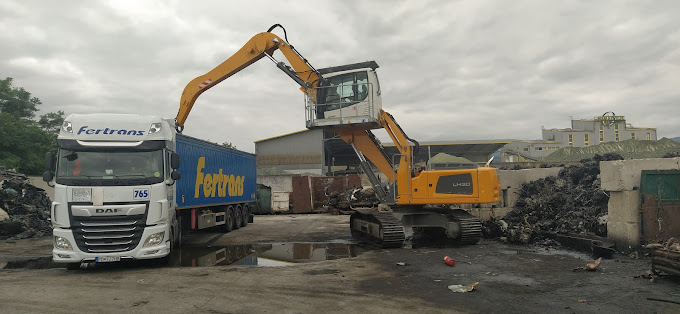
24,140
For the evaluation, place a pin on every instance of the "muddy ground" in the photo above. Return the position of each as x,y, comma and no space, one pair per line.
511,278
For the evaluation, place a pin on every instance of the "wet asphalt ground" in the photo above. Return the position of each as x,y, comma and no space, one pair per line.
310,263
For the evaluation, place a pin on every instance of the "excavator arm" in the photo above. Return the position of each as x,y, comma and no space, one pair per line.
364,141
366,145
259,46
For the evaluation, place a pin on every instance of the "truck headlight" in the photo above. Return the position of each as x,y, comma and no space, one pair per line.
156,238
81,195
155,128
62,243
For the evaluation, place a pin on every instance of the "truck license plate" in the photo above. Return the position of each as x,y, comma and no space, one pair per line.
105,259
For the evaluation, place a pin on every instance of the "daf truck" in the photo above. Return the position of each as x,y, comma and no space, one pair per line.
126,186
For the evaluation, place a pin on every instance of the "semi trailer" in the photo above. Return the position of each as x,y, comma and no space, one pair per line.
126,187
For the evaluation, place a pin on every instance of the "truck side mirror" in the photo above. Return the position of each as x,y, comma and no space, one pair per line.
175,175
174,161
49,161
48,176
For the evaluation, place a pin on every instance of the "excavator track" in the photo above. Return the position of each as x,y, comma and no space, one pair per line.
380,228
470,227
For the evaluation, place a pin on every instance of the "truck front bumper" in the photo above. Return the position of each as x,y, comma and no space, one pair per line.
75,255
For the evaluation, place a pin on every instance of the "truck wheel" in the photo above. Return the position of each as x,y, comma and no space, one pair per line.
246,215
229,223
238,216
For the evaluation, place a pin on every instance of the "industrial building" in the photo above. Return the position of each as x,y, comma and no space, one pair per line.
322,152
583,133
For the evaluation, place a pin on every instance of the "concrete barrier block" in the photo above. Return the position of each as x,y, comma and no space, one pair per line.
515,178
539,173
508,178
610,175
624,206
510,197
501,212
622,175
485,214
625,234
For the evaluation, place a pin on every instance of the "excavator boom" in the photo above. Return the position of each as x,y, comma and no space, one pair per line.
259,46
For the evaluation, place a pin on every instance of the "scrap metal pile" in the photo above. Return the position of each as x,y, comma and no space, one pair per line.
24,209
666,257
570,203
353,197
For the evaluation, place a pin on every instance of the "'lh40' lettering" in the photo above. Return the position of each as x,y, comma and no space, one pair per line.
216,183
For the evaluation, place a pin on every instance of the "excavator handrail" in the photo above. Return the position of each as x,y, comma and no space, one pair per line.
259,46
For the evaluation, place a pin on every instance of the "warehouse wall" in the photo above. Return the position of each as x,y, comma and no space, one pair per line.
300,152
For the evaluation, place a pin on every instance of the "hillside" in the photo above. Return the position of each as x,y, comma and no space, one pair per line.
630,149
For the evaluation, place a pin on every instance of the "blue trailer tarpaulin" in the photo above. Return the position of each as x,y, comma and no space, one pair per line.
213,174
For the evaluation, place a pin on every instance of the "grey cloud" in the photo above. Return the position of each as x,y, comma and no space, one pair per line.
450,70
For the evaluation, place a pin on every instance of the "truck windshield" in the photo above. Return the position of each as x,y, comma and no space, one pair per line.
125,167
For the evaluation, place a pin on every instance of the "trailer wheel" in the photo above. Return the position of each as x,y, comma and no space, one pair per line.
229,224
246,215
238,217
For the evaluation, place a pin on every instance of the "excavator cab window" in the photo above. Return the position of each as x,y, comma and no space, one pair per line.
362,86
345,90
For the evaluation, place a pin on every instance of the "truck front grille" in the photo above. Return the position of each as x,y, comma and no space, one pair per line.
108,234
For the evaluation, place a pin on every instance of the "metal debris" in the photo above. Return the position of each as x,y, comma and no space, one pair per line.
27,208
590,266
462,288
569,203
666,257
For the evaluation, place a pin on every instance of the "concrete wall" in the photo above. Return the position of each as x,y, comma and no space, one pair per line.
621,178
277,183
624,175
512,180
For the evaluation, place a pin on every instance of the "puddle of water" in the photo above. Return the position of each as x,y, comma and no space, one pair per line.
277,254
269,255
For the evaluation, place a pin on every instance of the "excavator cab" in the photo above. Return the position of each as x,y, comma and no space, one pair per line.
345,95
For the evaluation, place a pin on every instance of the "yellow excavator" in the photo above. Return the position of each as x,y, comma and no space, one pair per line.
347,99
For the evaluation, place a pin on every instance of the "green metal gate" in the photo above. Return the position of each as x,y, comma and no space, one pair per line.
660,204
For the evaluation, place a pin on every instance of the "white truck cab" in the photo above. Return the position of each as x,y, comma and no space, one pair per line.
113,188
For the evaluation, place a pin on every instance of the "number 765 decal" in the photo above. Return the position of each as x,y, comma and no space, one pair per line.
140,194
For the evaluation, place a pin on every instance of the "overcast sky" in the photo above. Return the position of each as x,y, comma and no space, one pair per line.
449,70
